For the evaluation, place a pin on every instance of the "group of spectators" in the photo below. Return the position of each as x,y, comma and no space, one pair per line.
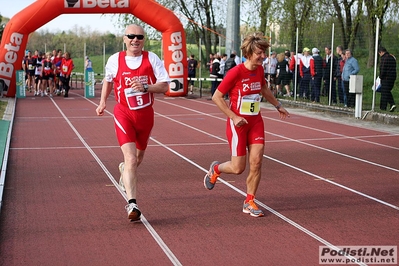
49,73
218,65
315,75
312,74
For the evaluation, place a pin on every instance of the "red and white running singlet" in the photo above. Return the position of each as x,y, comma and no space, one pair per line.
124,94
245,95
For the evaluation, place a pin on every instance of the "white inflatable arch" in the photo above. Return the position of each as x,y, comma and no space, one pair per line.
16,33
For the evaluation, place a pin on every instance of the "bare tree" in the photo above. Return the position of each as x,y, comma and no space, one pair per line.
348,26
264,14
375,9
298,17
198,16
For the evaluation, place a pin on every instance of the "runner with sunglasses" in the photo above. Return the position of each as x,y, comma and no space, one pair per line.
136,75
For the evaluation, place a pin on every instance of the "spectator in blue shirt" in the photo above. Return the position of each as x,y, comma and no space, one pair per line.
351,67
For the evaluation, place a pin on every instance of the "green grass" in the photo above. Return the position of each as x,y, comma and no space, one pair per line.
3,105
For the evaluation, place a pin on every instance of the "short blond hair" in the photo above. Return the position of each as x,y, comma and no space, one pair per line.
253,41
281,57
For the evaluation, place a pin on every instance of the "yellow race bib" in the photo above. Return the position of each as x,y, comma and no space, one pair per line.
250,104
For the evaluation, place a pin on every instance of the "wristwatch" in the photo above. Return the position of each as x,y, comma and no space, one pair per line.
145,86
278,105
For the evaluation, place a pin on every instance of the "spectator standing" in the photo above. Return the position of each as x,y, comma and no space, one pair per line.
287,54
329,74
351,67
230,63
316,71
88,64
66,71
237,59
270,70
283,75
215,75
338,74
388,77
192,65
136,75
294,65
304,70
245,128
210,62
223,65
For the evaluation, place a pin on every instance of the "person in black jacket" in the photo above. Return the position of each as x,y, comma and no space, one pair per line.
316,71
215,74
230,63
388,77
329,74
192,71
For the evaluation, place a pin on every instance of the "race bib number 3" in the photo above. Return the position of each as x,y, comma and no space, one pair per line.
137,100
250,104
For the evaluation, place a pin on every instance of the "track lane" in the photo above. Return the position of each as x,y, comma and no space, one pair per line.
190,219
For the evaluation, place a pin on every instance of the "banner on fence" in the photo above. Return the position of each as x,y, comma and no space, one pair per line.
90,81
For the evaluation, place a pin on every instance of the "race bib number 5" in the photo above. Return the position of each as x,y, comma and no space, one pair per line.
250,104
137,100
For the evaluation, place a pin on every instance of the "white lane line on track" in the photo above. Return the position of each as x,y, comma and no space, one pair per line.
305,143
286,219
337,153
294,167
338,136
311,234
359,138
149,227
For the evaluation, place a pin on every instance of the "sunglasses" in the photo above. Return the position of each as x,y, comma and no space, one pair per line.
132,36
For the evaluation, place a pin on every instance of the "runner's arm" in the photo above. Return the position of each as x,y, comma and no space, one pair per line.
105,92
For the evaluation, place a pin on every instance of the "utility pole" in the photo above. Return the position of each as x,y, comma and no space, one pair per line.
233,38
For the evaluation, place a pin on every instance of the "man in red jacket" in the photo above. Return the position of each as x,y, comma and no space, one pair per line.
66,71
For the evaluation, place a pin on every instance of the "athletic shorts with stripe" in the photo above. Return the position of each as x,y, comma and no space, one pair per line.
133,125
241,137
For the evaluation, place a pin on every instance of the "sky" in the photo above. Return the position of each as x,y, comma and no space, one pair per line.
98,22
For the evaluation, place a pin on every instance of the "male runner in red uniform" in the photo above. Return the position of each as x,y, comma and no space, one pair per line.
136,75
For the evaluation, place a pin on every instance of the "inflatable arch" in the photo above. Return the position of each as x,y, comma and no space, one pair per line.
16,33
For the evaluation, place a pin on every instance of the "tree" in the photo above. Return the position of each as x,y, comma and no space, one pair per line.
2,25
376,9
298,17
348,27
264,15
202,17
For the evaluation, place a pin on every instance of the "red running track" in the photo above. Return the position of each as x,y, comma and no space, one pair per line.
323,183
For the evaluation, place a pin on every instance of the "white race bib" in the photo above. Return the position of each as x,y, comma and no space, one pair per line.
137,99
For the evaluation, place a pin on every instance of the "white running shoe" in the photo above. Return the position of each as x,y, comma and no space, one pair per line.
133,212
